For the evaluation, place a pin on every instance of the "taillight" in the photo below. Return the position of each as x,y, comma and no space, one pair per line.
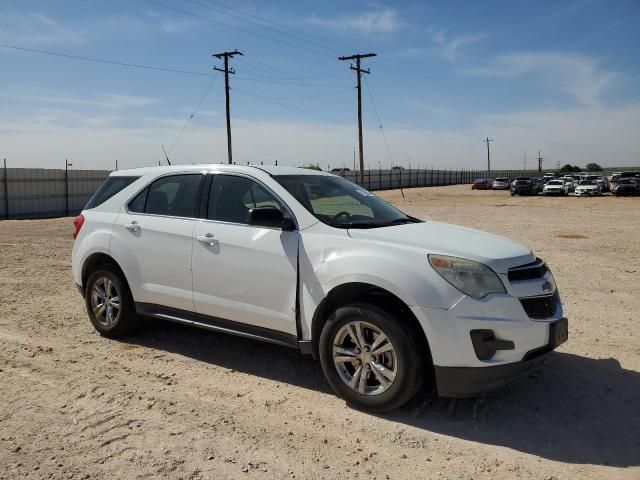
77,225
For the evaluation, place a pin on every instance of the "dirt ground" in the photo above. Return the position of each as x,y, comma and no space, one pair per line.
175,402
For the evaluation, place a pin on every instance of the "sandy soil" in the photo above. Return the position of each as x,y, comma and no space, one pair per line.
174,402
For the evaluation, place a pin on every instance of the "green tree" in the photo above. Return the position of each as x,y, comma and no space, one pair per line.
593,167
569,168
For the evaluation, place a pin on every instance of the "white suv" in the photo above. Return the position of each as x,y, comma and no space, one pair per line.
312,261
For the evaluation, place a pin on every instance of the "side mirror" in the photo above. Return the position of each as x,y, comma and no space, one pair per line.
269,217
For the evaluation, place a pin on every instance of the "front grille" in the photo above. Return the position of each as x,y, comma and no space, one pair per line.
543,306
531,271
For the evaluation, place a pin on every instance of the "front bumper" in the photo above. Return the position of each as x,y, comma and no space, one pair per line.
472,381
586,193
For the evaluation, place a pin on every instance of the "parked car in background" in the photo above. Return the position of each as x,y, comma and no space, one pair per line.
539,182
627,186
480,184
556,187
501,183
618,175
571,183
311,261
525,187
549,176
588,188
600,180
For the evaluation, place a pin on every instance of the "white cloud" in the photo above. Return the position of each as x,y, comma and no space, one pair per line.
580,76
380,21
110,100
450,46
578,135
36,29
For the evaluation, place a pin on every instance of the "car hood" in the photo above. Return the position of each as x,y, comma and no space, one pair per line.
497,252
586,187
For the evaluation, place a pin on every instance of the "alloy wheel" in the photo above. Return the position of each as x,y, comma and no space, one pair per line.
365,358
105,302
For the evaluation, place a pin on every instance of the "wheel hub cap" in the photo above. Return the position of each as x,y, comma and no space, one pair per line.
364,358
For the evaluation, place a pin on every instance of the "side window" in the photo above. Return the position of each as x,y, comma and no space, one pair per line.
174,196
137,204
108,189
232,197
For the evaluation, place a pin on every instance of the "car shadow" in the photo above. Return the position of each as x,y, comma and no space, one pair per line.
570,408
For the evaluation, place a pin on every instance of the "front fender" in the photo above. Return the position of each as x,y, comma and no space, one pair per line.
329,260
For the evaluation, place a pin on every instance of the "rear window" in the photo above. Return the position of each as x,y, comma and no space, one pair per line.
108,189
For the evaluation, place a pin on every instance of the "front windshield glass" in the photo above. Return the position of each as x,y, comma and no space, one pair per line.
555,182
340,203
523,182
587,182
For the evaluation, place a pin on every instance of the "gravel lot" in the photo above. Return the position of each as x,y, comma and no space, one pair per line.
176,402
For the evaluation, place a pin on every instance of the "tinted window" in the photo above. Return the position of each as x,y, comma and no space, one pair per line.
108,189
232,197
174,195
138,203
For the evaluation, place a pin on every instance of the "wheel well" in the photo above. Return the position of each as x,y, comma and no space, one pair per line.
96,261
364,292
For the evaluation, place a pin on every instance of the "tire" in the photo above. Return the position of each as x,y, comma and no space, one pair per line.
404,364
123,320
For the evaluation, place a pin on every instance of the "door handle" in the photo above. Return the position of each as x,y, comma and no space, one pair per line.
208,239
132,227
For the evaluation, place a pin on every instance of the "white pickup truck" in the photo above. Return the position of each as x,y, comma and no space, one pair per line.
312,261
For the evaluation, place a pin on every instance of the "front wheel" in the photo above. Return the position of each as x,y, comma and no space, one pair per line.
370,359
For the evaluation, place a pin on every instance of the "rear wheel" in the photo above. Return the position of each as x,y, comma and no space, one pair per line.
369,359
110,304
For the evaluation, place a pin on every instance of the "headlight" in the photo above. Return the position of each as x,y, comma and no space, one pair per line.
472,278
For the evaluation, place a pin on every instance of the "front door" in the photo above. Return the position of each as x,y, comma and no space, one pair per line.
244,273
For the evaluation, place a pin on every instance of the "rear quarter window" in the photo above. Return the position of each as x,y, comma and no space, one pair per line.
108,189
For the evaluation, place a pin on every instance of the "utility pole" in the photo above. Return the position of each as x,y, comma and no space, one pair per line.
488,154
6,191
359,71
67,164
226,70
540,159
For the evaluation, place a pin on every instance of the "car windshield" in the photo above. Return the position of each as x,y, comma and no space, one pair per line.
523,182
479,180
501,179
587,182
555,182
340,203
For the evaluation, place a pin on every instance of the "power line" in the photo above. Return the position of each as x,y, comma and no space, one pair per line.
384,137
283,105
278,24
240,29
295,37
284,82
204,95
102,60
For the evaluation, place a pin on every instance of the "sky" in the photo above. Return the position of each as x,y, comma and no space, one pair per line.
557,76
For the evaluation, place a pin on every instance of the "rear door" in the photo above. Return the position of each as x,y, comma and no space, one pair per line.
243,273
153,239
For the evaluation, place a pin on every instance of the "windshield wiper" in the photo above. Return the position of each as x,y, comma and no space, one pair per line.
397,221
